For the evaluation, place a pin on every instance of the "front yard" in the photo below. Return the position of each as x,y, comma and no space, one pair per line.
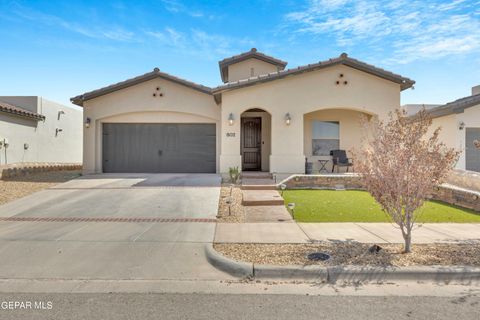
359,206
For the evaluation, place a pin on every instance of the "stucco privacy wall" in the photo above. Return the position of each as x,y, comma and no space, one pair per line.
179,104
243,69
298,95
452,135
44,145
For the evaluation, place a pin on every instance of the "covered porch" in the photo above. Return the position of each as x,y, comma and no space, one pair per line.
332,129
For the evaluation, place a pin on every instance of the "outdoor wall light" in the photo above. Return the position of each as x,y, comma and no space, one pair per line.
87,122
230,119
461,125
288,119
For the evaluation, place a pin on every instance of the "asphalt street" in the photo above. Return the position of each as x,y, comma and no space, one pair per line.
258,306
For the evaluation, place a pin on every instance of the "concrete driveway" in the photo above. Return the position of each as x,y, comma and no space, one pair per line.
127,226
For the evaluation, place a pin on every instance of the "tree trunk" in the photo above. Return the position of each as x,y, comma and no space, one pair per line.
408,241
407,235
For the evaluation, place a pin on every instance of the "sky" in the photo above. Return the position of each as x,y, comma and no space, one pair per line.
59,49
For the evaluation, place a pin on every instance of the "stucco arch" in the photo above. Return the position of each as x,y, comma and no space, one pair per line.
350,131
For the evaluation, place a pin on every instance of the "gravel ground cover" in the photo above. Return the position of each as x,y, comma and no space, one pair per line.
19,187
352,253
232,193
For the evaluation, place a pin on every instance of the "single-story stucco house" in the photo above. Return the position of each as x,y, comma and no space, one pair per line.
460,123
263,118
36,130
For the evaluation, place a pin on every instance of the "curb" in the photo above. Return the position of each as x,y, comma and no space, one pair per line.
440,274
234,268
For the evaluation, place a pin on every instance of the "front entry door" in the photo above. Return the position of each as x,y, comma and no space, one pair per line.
251,143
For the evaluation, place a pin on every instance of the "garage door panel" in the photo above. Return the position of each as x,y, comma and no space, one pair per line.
472,154
169,148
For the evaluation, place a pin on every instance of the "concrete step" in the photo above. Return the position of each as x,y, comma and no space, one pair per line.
261,198
258,184
256,175
259,187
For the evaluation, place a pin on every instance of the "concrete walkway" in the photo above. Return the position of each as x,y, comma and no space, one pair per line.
359,232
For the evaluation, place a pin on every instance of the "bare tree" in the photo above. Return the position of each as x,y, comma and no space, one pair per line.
401,163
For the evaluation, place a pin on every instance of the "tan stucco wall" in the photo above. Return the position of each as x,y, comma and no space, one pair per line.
242,70
451,135
43,144
298,95
179,104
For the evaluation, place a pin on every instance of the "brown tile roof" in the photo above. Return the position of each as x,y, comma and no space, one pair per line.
343,59
253,53
457,106
17,111
156,73
405,83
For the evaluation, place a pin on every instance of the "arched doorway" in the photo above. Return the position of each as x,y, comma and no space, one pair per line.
255,140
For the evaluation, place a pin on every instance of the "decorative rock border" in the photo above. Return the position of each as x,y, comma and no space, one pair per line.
23,169
457,196
438,274
324,181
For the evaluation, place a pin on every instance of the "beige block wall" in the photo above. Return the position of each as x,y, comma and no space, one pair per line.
299,95
179,104
243,69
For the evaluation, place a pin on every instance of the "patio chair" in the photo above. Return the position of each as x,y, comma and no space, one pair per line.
339,159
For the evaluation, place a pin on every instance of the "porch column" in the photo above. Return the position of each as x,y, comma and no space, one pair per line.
287,144
229,141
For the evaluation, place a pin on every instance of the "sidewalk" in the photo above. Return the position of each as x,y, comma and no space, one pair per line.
359,232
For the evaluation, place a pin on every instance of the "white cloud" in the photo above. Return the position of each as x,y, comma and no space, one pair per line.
97,32
176,6
200,43
412,29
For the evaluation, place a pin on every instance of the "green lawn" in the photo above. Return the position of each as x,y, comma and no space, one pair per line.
359,206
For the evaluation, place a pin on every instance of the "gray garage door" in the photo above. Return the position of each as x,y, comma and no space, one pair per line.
472,154
155,147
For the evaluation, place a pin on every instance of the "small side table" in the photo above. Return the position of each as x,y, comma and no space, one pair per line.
323,163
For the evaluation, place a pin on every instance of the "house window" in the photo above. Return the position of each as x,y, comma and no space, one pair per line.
325,137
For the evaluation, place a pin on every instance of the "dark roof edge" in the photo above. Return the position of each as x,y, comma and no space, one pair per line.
20,112
405,83
156,73
457,106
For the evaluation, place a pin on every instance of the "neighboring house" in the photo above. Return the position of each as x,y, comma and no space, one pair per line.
264,117
412,109
33,129
460,122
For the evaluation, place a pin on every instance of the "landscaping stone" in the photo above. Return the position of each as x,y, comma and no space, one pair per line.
353,253
23,169
324,181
